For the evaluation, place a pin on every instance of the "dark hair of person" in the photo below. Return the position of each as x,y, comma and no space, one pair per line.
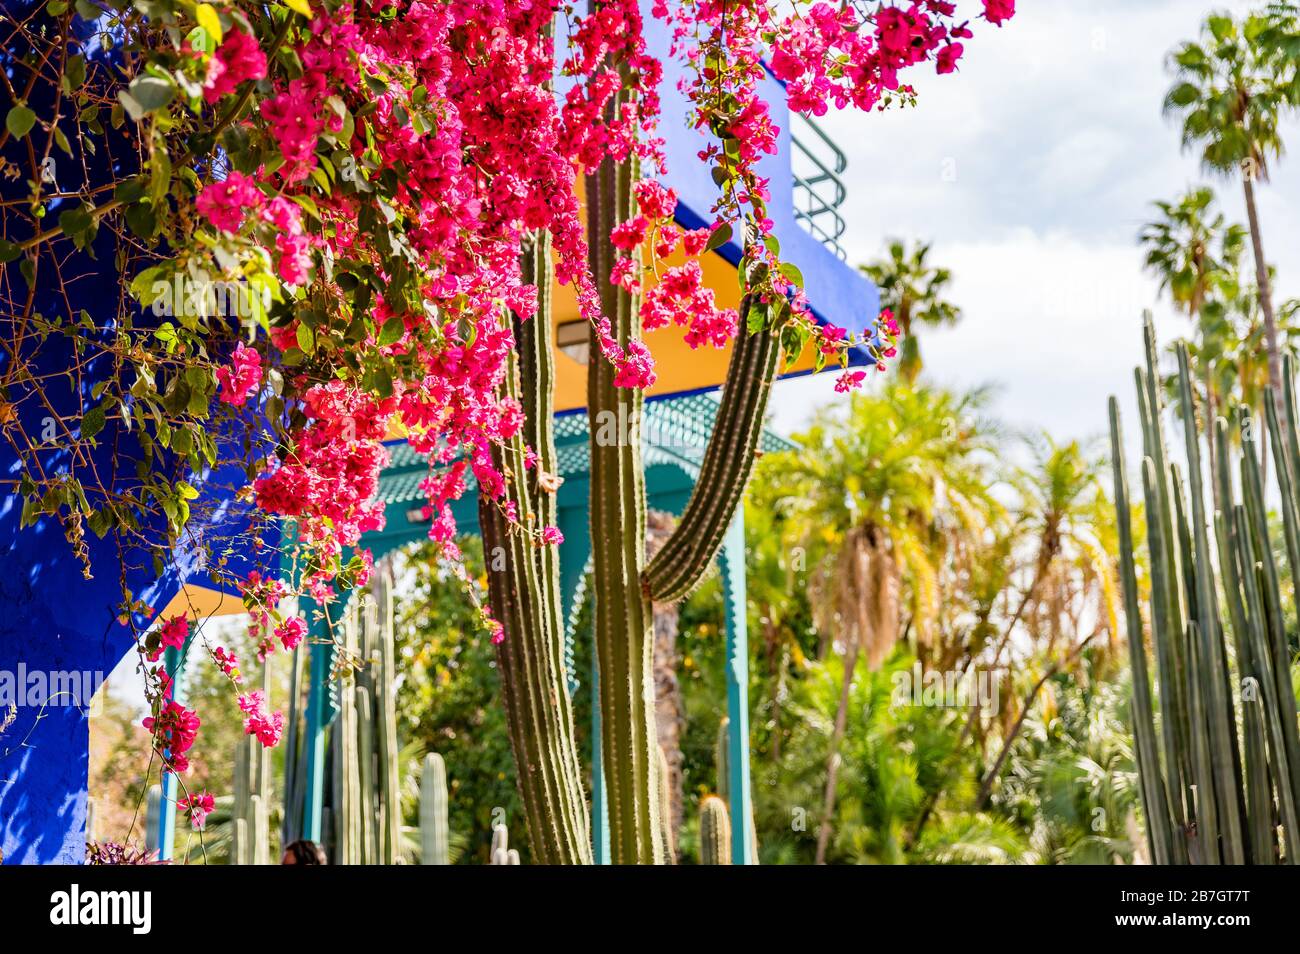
304,852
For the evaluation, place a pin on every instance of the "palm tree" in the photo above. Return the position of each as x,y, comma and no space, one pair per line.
867,492
1231,89
913,291
1194,254
1071,596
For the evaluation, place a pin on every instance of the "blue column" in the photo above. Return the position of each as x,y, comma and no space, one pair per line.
174,664
732,560
575,557
575,551
320,713
599,810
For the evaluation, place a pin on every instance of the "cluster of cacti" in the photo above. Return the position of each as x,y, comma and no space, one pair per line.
502,853
435,841
1218,758
250,807
364,806
250,832
715,832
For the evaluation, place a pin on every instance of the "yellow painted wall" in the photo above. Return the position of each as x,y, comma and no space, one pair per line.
679,367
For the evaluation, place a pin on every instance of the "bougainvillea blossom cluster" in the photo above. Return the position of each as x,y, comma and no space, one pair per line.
409,150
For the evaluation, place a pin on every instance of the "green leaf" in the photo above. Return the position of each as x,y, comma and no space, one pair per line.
75,73
133,108
151,93
720,237
78,225
306,338
8,251
392,331
131,190
20,121
792,273
93,422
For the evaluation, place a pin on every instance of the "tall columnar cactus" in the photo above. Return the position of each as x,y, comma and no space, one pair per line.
1218,758
663,779
715,832
625,586
251,801
524,588
365,790
434,838
524,591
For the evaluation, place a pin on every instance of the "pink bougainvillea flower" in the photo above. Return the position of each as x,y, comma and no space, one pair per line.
998,11
238,59
174,730
849,381
198,806
228,662
946,58
172,634
267,727
291,632
224,202
242,378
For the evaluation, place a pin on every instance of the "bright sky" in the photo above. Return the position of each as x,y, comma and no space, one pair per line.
1055,145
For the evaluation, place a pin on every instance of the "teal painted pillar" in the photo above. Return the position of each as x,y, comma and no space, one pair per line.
599,810
320,713
174,666
575,559
735,612
575,552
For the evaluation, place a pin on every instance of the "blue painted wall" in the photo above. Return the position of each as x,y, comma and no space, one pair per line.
52,618
838,293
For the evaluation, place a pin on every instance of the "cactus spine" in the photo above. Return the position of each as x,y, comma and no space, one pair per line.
434,840
1215,787
715,832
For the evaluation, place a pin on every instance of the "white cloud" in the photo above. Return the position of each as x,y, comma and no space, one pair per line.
1054,126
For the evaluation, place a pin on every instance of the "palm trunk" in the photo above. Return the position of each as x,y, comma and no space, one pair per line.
1265,300
833,759
986,786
